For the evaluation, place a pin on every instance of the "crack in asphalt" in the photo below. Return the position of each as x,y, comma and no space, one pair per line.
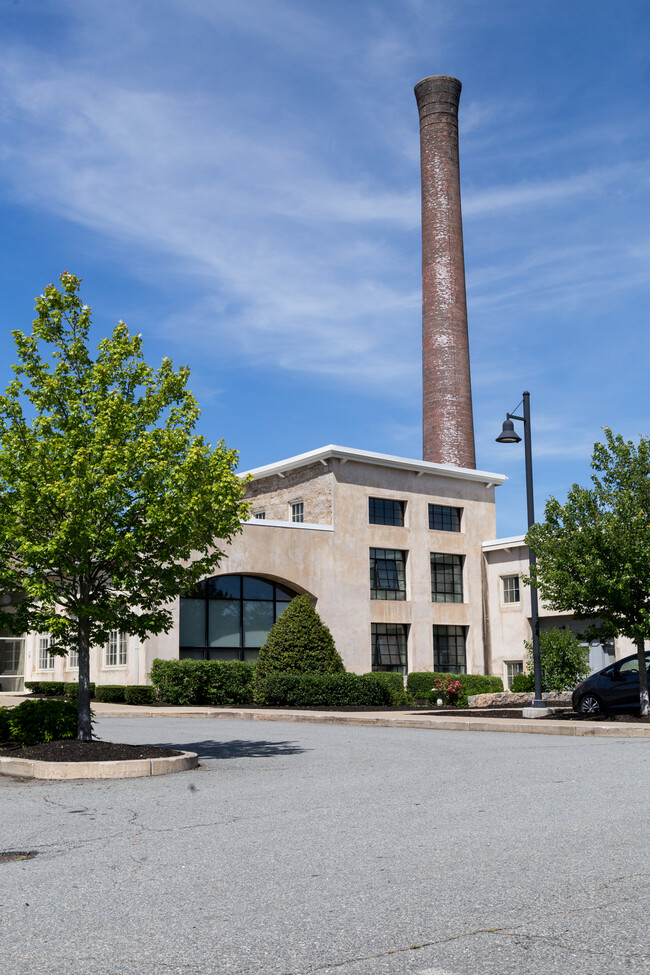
509,931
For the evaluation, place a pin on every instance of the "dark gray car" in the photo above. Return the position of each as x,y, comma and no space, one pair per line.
616,688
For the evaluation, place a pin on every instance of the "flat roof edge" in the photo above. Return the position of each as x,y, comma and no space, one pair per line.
334,452
494,544
299,525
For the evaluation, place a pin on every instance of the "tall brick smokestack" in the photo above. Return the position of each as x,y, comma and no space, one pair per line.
448,429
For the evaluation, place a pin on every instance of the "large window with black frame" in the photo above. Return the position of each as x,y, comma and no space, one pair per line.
229,617
446,578
389,642
387,573
385,511
449,649
443,518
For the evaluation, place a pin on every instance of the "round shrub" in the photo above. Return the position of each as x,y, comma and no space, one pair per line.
139,694
110,693
35,721
522,683
299,641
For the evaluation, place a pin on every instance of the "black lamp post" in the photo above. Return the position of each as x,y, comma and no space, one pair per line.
509,435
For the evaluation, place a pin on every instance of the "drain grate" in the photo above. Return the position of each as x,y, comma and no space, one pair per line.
7,855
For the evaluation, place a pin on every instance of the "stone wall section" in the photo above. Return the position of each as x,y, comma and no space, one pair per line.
312,485
508,697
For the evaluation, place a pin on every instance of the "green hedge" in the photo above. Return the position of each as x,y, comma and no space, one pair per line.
419,684
110,693
294,689
49,688
139,694
35,721
71,689
215,682
395,684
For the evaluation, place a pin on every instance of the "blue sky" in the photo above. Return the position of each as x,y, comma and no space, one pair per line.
239,181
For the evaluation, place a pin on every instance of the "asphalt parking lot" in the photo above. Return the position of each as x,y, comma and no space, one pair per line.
300,848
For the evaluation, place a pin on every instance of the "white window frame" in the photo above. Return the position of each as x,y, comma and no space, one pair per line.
505,592
115,651
505,671
72,660
45,658
260,515
293,506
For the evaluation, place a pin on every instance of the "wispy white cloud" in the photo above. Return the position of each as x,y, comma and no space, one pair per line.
541,193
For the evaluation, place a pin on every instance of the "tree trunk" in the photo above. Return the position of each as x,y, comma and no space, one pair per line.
643,676
84,729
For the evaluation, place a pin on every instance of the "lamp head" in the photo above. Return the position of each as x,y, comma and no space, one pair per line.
508,434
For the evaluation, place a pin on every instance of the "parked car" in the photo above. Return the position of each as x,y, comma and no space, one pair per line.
615,688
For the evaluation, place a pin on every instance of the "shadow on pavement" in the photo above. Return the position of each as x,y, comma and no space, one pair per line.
236,748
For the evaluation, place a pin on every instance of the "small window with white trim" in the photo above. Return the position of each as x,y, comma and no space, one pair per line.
45,658
115,653
73,660
513,667
298,511
510,589
260,515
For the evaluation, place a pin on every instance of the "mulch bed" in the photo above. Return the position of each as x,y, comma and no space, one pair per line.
73,750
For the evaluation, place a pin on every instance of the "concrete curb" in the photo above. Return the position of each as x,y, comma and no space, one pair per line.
129,769
588,729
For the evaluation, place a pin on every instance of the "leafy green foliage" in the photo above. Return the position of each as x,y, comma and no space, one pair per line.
36,721
215,682
139,694
522,683
593,551
318,689
5,731
564,660
110,505
110,693
300,641
419,684
395,684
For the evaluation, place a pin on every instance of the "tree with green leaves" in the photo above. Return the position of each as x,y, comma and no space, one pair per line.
593,551
110,504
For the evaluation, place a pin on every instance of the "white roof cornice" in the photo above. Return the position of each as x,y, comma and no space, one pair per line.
344,454
515,541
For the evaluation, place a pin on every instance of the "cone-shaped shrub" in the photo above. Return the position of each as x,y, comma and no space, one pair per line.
299,641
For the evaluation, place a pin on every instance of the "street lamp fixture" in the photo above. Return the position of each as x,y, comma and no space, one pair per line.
510,435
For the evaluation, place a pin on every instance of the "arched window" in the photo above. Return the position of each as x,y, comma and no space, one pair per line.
229,617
